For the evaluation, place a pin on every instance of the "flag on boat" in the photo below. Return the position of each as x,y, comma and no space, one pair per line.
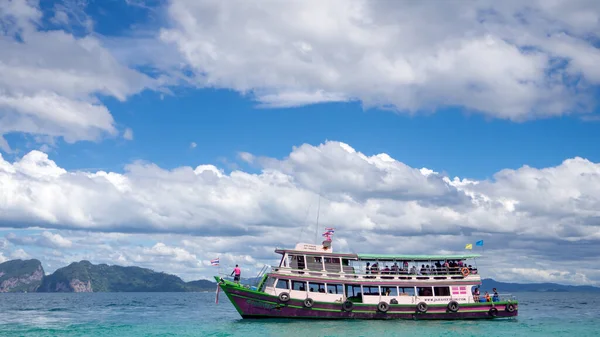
330,230
479,243
214,262
469,246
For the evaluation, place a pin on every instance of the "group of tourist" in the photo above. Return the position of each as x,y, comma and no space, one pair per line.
487,297
438,268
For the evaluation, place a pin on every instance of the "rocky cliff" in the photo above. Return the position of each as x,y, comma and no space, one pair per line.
20,276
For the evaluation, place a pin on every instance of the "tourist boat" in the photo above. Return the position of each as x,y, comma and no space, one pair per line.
311,281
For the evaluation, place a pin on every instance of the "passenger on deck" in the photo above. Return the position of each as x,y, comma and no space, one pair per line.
385,270
496,297
487,297
395,268
375,268
368,269
476,294
413,270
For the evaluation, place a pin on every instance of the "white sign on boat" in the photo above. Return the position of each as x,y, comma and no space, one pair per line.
309,247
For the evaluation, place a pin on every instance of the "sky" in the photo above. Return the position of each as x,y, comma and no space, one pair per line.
164,134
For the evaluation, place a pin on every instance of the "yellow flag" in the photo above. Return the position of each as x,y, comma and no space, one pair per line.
469,246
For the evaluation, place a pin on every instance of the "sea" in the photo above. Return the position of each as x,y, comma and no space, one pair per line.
196,314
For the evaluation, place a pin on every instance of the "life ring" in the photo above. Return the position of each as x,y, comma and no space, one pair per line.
465,271
394,301
493,312
510,307
284,297
347,305
422,307
308,302
383,306
453,306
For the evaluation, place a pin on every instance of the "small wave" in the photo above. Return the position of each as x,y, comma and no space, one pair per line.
58,309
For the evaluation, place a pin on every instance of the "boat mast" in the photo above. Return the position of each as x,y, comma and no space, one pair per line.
318,211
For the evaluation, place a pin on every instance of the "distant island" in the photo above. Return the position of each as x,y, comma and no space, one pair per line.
83,276
488,284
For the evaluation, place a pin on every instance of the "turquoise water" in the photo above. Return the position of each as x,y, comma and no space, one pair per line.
195,314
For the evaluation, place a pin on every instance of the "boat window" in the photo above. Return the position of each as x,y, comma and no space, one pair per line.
424,291
389,291
283,284
333,260
441,291
299,285
335,289
371,290
332,264
316,287
293,261
314,263
407,291
270,282
353,290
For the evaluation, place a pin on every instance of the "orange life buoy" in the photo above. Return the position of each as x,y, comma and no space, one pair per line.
465,271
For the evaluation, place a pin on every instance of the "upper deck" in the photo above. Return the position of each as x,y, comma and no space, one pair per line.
313,261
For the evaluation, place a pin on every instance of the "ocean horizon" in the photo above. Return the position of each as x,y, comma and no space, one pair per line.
197,314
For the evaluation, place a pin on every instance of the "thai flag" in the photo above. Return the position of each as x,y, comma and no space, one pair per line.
214,262
330,230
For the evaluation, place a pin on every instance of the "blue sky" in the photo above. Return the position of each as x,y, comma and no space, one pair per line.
155,92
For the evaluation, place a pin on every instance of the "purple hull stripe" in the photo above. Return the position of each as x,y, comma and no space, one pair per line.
256,305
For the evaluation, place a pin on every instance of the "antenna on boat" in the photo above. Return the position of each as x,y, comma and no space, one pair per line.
318,211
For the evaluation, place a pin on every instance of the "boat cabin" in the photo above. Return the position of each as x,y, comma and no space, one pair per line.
319,273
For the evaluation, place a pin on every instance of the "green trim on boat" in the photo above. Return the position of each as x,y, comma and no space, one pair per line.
228,285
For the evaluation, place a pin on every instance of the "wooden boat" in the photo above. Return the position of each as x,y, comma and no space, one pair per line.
311,281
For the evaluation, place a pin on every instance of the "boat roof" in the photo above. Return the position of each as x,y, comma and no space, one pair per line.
316,253
391,257
380,257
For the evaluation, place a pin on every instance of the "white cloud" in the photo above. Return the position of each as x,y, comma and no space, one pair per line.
193,145
128,134
498,58
54,240
369,199
56,94
44,239
19,254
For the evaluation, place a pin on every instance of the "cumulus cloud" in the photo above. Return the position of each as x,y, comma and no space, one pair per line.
128,134
509,60
526,216
44,239
57,95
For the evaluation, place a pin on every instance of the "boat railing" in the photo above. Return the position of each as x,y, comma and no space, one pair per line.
499,298
505,298
360,273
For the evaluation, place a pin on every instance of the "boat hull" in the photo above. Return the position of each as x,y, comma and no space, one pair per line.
253,304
